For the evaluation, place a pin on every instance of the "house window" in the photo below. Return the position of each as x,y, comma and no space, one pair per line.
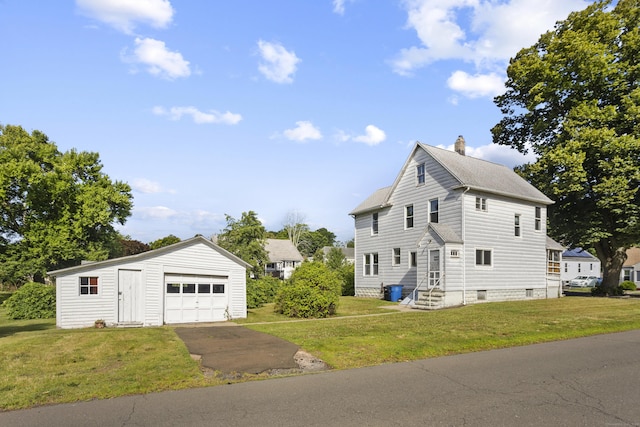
627,274
374,223
408,217
483,257
566,267
516,225
455,253
433,210
579,268
529,293
420,173
371,264
481,204
88,286
396,256
413,259
538,218
482,295
553,262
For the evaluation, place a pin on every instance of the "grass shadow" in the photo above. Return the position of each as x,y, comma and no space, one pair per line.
32,326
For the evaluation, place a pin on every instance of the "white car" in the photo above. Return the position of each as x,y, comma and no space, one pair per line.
583,282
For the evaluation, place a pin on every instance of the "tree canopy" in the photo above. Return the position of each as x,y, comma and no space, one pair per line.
245,238
574,99
55,208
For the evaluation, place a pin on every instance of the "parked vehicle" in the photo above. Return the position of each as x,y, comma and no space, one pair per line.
584,282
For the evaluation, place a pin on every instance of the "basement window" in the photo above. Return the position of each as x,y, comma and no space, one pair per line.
482,295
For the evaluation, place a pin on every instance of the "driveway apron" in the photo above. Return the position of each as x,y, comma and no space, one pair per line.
232,348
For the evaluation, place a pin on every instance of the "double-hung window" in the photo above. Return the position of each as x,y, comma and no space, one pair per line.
483,257
433,210
396,256
408,216
516,225
481,204
370,264
374,223
420,174
538,218
88,286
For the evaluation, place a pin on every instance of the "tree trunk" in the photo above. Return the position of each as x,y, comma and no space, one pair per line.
612,259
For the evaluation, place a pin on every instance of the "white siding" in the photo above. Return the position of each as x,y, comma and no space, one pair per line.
75,310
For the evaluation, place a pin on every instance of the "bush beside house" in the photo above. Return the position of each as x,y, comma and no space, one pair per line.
32,301
313,291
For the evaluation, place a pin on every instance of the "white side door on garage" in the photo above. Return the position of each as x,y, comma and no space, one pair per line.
195,298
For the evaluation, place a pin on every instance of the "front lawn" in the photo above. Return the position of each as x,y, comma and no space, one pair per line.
40,364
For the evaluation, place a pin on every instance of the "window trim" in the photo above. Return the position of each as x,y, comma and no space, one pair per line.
484,252
89,285
517,225
396,256
432,212
421,174
375,224
538,220
481,204
409,217
370,264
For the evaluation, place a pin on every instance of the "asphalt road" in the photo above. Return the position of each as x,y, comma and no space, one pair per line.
592,381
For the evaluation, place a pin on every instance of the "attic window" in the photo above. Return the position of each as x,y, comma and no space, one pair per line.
455,253
420,173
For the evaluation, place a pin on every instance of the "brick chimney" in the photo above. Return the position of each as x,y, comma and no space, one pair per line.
459,145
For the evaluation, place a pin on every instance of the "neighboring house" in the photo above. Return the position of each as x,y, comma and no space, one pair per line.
631,267
284,257
455,230
578,262
191,281
349,253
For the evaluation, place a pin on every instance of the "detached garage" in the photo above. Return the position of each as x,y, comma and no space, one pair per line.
191,281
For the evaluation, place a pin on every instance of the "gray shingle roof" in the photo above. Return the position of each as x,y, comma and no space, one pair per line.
281,250
486,176
476,174
445,232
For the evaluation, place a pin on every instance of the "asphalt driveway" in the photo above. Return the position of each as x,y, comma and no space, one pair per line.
230,348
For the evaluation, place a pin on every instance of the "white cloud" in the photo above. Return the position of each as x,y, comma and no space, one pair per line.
495,153
338,6
124,14
483,32
303,131
155,212
146,186
373,136
199,117
159,60
476,86
278,64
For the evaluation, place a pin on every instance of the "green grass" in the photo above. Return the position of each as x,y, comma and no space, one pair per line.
40,364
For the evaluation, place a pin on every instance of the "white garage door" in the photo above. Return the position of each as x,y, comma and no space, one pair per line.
195,298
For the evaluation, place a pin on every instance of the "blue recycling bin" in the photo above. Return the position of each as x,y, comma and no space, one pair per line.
395,293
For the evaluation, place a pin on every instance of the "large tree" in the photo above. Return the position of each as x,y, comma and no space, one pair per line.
245,238
574,99
55,208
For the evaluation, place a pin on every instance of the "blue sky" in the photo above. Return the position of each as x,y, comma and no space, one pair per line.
209,108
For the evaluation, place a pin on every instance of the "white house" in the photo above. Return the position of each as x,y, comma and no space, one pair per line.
455,230
631,267
578,262
191,281
284,257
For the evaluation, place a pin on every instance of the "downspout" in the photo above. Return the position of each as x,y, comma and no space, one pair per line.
464,251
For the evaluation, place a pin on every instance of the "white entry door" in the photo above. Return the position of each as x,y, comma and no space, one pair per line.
434,268
129,287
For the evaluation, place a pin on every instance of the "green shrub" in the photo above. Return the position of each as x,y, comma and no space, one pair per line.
32,301
262,291
628,285
347,273
601,291
312,291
